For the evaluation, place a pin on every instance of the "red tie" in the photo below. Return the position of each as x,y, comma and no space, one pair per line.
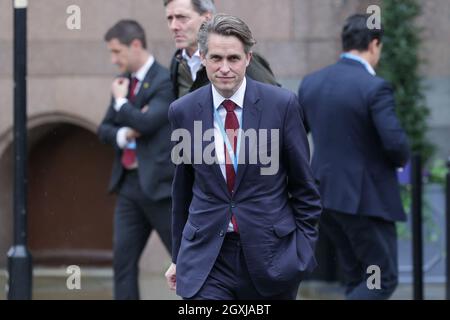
231,124
129,155
131,94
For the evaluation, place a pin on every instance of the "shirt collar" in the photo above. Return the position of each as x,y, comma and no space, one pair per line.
364,62
195,56
142,72
237,97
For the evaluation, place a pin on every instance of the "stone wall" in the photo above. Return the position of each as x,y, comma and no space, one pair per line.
70,73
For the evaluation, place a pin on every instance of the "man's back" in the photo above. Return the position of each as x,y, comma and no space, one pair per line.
358,141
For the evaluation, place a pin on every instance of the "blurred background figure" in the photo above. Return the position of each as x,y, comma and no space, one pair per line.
137,127
358,144
184,18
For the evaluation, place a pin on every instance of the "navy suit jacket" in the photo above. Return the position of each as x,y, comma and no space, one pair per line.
153,147
277,214
358,140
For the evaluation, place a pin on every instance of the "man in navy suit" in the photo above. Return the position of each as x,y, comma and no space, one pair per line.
242,229
358,144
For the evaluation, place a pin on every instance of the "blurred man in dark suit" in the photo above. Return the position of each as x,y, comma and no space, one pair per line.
137,127
358,145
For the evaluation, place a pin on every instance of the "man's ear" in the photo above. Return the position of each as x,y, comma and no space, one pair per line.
207,15
249,58
203,58
373,45
136,44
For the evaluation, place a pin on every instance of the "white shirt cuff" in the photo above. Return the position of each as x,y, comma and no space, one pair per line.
119,103
121,137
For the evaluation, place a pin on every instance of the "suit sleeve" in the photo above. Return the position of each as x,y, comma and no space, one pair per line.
301,108
393,137
305,198
181,194
107,131
149,122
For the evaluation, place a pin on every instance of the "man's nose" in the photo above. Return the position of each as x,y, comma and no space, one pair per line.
174,25
224,68
113,59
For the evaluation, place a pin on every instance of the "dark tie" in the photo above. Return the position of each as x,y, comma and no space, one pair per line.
231,127
131,94
129,155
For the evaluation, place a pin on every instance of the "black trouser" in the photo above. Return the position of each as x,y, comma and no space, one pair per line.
134,219
363,241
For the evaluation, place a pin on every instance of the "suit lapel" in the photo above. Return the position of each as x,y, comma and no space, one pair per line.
146,86
205,113
250,120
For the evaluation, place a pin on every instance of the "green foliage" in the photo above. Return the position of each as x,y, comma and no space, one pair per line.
400,66
403,230
438,172
432,231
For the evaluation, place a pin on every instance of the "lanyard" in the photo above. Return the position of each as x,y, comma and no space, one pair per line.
131,145
234,157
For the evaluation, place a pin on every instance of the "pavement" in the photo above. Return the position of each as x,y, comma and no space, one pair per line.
96,284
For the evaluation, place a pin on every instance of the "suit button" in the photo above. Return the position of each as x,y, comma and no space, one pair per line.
221,233
233,205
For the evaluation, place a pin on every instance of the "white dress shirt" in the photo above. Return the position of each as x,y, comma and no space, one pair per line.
194,62
121,137
361,60
238,99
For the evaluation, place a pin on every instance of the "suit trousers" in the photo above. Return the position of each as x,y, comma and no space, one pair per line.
229,278
135,218
363,241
